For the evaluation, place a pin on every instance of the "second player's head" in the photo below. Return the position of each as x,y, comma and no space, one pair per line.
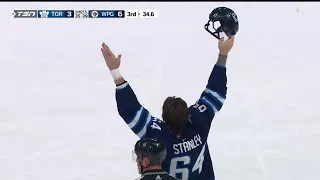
176,114
149,154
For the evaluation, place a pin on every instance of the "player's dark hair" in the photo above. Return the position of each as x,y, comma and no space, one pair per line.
175,114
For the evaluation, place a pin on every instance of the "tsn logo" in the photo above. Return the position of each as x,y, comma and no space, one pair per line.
24,13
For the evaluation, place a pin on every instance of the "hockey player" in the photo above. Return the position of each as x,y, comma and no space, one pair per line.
150,153
184,130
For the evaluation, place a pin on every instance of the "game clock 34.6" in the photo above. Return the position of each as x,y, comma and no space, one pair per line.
148,14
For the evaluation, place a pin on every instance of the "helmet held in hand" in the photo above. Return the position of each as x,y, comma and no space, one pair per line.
228,20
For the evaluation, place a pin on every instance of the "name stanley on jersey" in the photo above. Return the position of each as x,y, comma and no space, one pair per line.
187,145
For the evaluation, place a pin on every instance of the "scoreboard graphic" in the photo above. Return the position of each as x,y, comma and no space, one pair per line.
86,14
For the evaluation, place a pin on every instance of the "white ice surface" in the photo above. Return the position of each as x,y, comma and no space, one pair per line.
58,117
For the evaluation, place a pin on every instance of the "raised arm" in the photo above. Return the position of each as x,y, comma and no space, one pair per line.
134,114
214,95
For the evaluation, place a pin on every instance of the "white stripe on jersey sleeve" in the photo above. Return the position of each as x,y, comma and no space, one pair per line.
210,104
144,129
215,94
136,118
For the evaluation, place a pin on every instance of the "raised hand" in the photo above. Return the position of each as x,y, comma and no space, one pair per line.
225,46
112,61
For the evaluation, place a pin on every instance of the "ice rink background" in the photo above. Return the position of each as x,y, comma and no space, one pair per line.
58,117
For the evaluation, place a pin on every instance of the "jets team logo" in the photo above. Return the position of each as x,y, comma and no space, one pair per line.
94,14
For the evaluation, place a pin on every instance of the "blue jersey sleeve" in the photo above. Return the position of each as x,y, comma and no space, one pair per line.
211,99
139,119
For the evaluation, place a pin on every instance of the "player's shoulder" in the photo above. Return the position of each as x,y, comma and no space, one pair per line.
156,128
195,127
156,124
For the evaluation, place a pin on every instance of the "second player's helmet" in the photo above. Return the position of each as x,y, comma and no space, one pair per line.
153,149
228,19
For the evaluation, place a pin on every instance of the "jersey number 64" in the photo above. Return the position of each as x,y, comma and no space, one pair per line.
174,169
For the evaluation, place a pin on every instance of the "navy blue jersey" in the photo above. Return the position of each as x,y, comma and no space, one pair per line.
188,156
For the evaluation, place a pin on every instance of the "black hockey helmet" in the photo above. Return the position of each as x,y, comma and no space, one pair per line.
228,19
153,149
